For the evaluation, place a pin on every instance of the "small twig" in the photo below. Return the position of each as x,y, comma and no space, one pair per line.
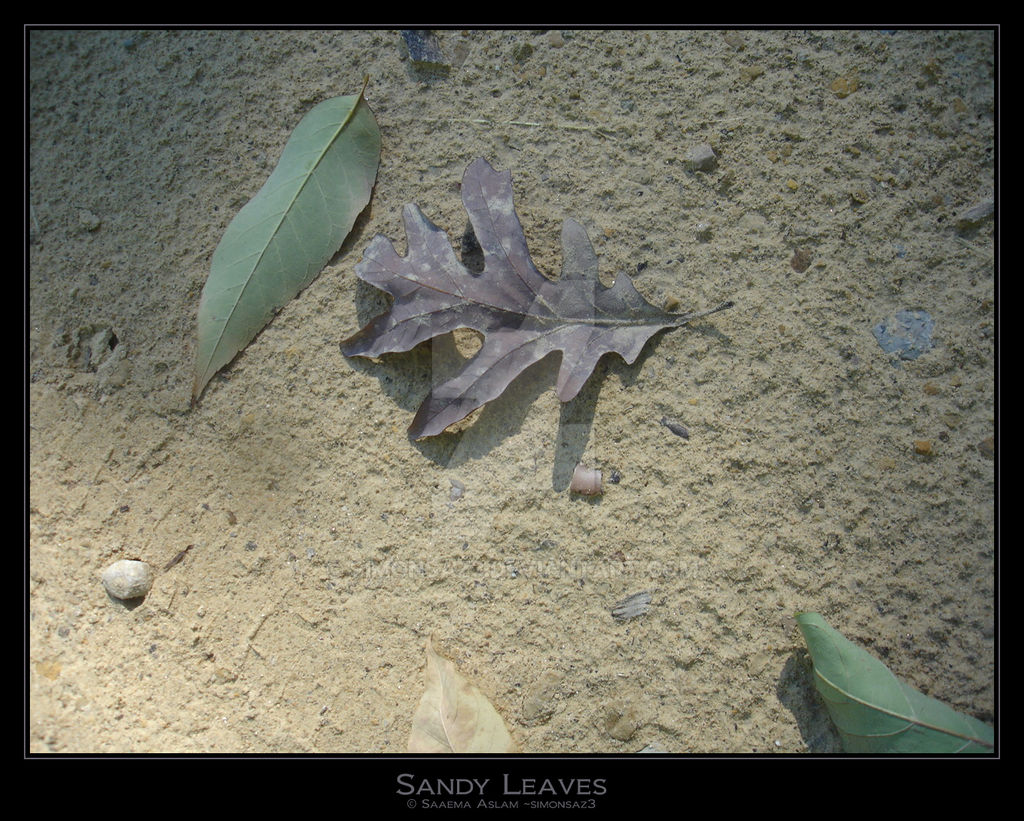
978,251
600,130
259,626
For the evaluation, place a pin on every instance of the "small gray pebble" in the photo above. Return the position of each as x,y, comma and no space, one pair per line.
126,579
675,427
101,344
701,158
973,216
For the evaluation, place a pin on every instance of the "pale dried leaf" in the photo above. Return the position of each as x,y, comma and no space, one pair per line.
454,716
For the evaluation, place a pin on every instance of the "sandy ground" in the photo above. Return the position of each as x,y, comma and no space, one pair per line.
327,547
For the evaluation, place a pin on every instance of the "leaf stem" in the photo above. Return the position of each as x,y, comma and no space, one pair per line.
682,319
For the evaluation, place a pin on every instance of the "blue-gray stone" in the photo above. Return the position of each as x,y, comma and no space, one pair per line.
908,334
424,49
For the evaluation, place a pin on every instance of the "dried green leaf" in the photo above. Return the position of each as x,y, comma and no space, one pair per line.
284,236
874,711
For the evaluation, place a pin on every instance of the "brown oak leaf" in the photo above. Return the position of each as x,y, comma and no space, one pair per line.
523,315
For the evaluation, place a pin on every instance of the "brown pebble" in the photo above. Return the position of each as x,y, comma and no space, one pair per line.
222,675
751,73
859,196
987,447
734,39
540,701
931,388
801,260
923,447
621,722
49,669
844,86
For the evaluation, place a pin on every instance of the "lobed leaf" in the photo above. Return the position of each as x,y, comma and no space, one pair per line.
523,315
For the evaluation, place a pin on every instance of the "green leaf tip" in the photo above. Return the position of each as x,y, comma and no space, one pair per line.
874,711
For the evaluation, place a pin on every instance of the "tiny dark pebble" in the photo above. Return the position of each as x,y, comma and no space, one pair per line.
675,427
615,477
250,546
987,447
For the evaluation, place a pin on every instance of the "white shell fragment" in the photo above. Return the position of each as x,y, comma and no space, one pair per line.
653,747
126,579
586,481
633,606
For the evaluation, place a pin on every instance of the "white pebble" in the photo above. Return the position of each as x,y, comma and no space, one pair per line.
457,490
88,220
127,579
